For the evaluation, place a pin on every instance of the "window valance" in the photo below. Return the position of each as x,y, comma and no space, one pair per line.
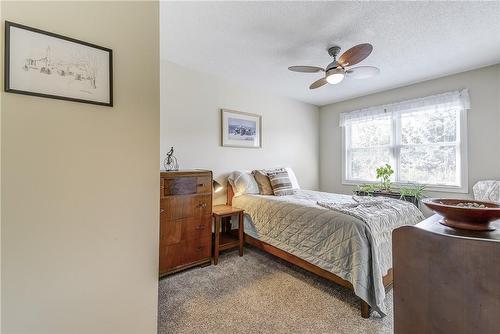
446,101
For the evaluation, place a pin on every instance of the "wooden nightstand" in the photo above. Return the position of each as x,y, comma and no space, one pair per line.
223,241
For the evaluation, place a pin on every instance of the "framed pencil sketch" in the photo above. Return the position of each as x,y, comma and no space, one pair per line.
240,129
44,64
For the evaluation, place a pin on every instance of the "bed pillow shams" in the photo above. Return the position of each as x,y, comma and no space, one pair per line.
263,182
280,182
243,182
293,178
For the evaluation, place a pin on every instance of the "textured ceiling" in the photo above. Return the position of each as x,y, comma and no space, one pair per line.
255,42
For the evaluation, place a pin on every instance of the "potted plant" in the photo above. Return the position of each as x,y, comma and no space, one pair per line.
411,192
366,189
384,174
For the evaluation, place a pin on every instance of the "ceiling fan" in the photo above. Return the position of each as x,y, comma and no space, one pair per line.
338,69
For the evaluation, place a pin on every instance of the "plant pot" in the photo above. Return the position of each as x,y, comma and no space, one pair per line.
390,194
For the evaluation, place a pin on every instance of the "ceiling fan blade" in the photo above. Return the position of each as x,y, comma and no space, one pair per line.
318,83
306,69
362,72
355,54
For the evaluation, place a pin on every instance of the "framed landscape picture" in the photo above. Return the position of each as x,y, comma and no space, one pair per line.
44,64
240,129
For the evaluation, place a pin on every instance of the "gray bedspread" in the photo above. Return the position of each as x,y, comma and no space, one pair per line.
342,243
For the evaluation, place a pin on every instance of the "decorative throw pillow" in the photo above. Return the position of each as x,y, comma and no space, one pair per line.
280,182
263,182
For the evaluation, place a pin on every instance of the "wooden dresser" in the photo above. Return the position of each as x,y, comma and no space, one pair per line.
446,280
185,219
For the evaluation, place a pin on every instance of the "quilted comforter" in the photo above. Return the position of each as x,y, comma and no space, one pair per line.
332,240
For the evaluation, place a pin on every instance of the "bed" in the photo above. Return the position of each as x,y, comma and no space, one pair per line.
336,246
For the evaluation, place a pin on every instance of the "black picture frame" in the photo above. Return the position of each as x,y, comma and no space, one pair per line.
7,74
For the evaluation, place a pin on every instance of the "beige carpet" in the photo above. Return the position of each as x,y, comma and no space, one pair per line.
258,293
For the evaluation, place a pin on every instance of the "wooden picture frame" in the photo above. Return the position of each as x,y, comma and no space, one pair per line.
241,129
44,64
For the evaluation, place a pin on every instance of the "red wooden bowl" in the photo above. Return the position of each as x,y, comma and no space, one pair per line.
467,218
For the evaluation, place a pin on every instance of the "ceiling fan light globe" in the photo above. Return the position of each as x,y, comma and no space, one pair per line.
335,76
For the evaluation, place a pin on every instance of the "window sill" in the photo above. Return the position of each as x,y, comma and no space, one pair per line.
433,188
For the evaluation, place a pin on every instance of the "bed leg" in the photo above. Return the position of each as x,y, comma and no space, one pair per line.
365,309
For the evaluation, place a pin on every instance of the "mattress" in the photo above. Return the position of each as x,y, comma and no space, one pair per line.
337,242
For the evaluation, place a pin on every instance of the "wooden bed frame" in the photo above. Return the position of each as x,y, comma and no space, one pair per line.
365,308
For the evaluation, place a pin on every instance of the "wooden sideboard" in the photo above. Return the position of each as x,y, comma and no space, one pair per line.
446,280
185,219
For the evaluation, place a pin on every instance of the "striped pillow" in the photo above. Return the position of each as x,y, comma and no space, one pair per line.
280,182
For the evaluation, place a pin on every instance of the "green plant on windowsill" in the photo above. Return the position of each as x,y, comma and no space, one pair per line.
366,189
384,174
413,190
408,192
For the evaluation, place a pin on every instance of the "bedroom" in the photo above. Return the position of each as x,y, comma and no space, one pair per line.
219,58
302,150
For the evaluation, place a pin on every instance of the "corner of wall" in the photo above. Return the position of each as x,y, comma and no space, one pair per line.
1,108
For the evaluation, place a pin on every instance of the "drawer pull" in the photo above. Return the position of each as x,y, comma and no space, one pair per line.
200,184
200,227
199,248
202,205
162,210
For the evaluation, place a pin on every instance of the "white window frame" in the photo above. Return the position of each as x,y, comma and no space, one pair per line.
462,166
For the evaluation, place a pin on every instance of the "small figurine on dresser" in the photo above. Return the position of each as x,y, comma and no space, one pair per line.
170,162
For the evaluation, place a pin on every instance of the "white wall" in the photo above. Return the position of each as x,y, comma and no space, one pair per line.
190,121
1,104
483,125
80,199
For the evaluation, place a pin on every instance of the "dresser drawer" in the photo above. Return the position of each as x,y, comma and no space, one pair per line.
186,206
184,253
187,185
204,184
175,231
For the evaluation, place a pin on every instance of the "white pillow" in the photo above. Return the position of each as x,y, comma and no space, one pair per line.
293,178
243,182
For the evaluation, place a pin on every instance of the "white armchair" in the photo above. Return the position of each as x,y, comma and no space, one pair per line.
488,190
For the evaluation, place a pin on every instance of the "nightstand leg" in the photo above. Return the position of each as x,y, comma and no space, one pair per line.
240,232
217,241
226,225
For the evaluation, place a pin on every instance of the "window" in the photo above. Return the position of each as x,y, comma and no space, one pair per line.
424,140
